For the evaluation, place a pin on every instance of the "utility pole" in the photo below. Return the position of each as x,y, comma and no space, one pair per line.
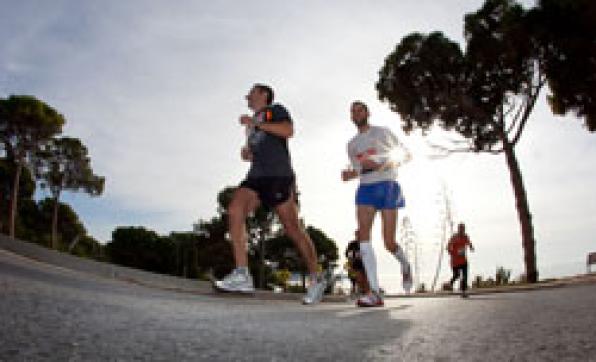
446,229
410,245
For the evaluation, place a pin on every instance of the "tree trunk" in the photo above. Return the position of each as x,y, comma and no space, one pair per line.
523,212
14,200
55,224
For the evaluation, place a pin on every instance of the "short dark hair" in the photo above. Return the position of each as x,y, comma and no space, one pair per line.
360,103
265,89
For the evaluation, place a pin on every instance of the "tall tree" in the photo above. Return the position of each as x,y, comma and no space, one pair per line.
141,248
486,94
70,226
282,250
26,189
214,254
187,246
63,164
566,36
25,124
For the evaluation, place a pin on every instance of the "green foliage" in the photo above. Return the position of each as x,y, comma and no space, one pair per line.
27,128
207,251
326,247
69,225
25,124
429,80
565,33
422,80
281,249
295,289
141,248
502,276
487,93
88,247
281,277
421,288
215,250
26,189
26,182
187,246
63,164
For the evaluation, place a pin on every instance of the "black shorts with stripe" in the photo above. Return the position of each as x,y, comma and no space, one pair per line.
271,190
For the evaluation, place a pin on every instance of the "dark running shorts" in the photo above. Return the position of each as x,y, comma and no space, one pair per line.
357,265
272,191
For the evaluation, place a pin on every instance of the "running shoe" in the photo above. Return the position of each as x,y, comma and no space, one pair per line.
370,300
236,282
314,293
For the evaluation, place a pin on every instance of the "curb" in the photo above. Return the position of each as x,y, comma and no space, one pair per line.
582,279
135,276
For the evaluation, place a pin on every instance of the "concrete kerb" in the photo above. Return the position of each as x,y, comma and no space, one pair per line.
574,280
172,283
135,276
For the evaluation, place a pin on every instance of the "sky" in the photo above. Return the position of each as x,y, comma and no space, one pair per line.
155,88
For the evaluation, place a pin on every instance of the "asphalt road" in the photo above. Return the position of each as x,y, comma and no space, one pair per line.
49,313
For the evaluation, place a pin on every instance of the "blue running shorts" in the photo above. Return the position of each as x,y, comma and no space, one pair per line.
380,195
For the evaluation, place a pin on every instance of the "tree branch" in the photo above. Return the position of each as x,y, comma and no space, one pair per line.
530,102
446,151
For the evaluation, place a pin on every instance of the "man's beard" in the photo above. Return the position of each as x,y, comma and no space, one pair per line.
360,123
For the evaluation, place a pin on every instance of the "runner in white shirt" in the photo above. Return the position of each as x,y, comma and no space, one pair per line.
375,154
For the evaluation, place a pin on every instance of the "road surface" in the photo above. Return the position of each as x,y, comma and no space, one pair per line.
49,313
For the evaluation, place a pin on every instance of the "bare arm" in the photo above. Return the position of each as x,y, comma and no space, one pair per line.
283,129
350,173
246,154
450,246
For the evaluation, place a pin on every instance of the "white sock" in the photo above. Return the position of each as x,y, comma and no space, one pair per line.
369,260
242,270
401,257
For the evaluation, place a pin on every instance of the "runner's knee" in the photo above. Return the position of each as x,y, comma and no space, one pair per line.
391,246
236,210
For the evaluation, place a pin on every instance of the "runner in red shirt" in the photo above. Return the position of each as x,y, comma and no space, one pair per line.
459,263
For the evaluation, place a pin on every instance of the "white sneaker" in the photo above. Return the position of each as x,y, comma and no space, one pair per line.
314,292
236,282
370,300
406,273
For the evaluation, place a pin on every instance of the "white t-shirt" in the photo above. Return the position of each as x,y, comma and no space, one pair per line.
380,145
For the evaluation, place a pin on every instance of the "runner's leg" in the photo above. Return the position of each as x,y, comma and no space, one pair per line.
362,282
288,216
244,201
464,278
366,216
455,272
389,226
389,221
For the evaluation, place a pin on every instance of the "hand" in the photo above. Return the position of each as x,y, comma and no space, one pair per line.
246,120
246,154
368,164
347,175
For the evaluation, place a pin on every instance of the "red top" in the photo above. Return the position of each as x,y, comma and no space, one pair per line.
457,249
